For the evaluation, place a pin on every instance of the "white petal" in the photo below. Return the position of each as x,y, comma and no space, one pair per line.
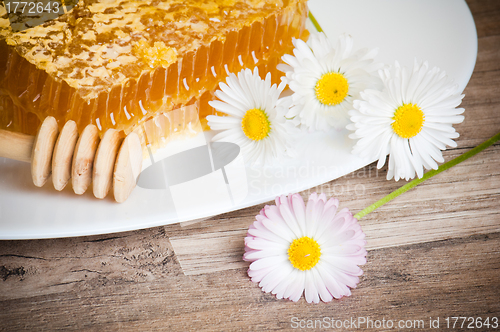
311,293
321,287
226,108
268,262
278,275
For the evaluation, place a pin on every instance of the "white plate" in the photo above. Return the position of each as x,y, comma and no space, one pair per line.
442,32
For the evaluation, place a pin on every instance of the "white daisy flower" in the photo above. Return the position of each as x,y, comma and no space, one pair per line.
326,79
256,117
410,119
311,249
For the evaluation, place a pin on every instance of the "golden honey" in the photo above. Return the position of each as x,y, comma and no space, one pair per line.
119,63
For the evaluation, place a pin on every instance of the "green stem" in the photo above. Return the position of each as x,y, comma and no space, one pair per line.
314,22
428,175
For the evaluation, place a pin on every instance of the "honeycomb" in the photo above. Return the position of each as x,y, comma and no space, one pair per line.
119,63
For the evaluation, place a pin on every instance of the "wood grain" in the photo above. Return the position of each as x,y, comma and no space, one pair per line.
16,146
434,251
133,281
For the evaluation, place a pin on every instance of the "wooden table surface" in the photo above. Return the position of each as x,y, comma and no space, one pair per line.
434,252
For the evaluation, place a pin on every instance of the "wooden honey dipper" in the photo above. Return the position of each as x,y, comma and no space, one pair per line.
111,162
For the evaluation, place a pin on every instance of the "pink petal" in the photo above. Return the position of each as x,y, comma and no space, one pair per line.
298,286
257,275
332,202
277,276
330,283
267,262
262,244
279,228
299,209
320,286
265,234
311,293
290,219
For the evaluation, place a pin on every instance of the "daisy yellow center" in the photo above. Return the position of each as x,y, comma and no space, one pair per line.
255,124
331,89
408,120
304,253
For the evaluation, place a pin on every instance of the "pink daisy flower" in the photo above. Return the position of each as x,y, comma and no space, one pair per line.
296,249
